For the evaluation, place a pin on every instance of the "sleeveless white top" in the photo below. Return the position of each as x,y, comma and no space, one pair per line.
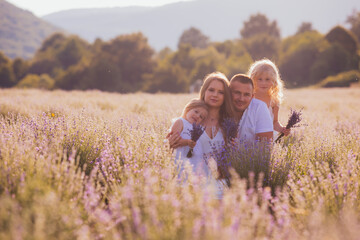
198,164
210,146
275,133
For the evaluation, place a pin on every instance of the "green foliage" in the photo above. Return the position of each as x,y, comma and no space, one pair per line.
344,79
262,46
304,27
71,53
259,24
194,37
171,74
166,78
121,63
237,58
343,37
128,64
261,37
43,81
176,71
183,58
20,68
58,53
333,60
308,58
7,78
75,77
206,61
297,56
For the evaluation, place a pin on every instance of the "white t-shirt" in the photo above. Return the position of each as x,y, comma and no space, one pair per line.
255,119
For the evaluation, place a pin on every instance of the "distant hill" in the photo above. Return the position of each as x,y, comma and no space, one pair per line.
218,19
21,32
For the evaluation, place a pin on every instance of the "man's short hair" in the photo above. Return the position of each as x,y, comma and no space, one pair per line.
243,78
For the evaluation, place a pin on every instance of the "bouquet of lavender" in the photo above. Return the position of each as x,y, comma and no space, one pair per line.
230,127
295,118
195,134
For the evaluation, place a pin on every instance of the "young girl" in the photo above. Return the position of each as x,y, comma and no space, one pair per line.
269,88
194,112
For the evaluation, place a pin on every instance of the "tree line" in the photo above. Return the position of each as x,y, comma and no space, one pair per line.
127,63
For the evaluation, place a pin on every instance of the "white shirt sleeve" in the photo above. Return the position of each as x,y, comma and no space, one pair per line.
264,122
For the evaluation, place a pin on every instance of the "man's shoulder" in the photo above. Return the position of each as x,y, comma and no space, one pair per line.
256,104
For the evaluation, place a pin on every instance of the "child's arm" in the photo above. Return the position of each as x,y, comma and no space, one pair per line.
174,138
277,125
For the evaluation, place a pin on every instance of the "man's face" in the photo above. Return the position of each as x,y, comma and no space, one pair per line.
241,94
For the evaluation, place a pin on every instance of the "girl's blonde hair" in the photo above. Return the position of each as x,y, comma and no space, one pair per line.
226,109
194,103
260,66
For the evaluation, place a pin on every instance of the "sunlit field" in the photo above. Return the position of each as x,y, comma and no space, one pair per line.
94,165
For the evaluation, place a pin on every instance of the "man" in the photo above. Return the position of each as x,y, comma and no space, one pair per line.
255,120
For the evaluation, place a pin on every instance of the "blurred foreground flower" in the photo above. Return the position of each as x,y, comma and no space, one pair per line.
195,134
295,118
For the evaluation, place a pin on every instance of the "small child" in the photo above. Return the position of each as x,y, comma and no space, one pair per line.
269,89
194,112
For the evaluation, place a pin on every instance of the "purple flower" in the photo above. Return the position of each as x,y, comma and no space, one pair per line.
230,127
295,118
195,134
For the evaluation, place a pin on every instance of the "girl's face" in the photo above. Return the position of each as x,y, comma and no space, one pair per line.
215,94
264,81
196,115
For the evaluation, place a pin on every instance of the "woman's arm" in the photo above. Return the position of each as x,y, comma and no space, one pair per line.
174,138
277,125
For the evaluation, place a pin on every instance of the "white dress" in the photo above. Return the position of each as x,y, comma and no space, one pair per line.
275,133
210,148
197,163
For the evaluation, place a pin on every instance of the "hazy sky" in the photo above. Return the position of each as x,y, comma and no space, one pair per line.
43,7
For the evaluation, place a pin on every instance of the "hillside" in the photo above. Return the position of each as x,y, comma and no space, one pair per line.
220,20
21,32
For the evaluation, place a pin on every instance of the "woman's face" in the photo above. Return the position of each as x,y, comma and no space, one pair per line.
214,94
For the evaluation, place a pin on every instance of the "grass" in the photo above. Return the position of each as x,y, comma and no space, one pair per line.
94,165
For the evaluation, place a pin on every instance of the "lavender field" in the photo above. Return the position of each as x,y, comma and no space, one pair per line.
94,165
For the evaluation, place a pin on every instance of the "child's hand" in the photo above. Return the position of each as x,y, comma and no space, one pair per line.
285,131
191,143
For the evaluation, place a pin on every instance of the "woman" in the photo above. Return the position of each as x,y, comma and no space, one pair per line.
216,94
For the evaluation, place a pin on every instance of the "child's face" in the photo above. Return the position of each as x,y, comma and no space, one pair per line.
264,81
196,115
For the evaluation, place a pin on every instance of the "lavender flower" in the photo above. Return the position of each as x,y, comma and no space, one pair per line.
195,134
230,127
295,118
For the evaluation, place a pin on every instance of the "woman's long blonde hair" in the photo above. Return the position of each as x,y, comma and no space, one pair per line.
226,109
260,66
